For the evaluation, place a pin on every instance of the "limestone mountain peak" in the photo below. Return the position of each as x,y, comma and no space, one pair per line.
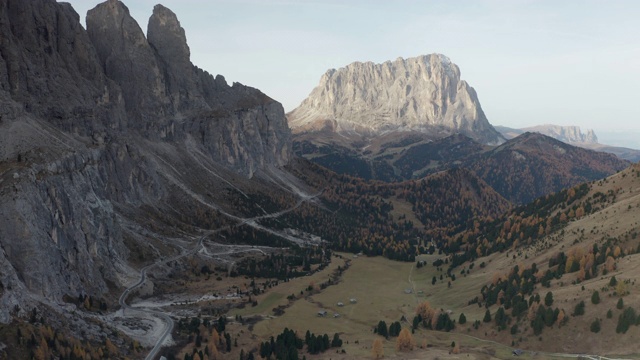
423,93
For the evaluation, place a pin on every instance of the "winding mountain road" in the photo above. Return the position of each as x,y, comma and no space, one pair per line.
199,247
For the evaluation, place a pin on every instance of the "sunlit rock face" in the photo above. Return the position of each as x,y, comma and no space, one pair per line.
423,93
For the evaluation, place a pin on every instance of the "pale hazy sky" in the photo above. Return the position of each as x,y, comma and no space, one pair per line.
565,62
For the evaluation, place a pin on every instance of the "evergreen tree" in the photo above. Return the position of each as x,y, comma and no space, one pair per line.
382,329
626,319
595,298
487,316
500,318
579,309
462,319
336,342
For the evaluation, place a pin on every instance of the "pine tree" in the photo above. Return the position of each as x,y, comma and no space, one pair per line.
462,319
487,316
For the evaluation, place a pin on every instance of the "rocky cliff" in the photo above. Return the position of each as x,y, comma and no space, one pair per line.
424,93
99,128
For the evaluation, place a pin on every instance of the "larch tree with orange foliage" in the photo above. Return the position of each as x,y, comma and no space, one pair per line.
610,264
405,341
561,316
377,350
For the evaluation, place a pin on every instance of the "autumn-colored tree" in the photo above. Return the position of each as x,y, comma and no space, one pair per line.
616,252
42,352
610,264
215,337
621,288
111,349
569,264
377,350
213,351
426,312
405,341
561,316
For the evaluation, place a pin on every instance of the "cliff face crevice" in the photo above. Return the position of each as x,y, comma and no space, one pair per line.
95,122
424,93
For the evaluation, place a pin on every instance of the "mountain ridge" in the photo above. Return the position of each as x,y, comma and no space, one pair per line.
573,135
565,133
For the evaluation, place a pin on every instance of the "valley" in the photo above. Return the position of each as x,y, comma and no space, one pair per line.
151,210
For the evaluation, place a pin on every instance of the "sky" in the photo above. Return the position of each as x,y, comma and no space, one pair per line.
569,62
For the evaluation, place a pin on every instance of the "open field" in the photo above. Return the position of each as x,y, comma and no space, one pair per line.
363,281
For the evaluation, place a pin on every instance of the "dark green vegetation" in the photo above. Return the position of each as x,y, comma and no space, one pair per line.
287,345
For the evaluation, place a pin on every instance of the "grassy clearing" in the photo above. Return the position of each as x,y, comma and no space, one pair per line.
379,286
278,296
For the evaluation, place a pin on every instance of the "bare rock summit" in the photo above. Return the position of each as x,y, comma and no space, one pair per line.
567,134
423,93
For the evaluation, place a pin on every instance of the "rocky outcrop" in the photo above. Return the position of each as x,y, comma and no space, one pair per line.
567,134
98,127
424,93
573,135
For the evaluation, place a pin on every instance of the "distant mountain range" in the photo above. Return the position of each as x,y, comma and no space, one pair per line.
574,136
